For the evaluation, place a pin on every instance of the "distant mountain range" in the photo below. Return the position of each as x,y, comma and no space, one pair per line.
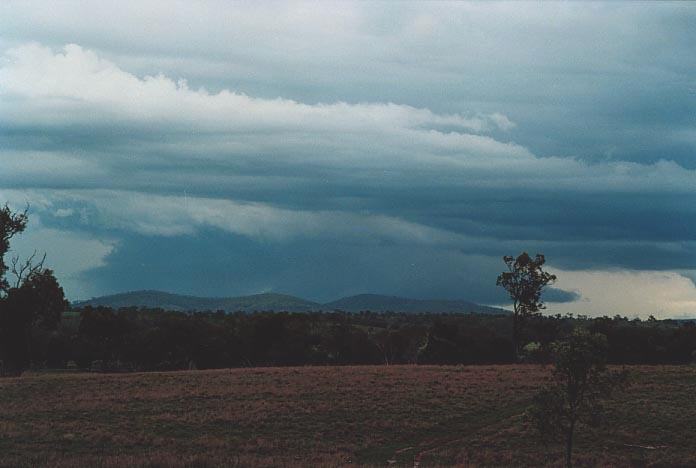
169,301
283,302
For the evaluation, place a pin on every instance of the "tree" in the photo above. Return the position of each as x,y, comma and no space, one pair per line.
524,281
23,270
580,385
35,300
37,305
47,299
11,223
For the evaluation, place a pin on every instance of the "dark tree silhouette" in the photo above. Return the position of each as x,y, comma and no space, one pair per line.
38,304
47,299
34,302
524,281
25,269
11,223
580,384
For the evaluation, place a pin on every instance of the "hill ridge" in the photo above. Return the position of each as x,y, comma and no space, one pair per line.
284,302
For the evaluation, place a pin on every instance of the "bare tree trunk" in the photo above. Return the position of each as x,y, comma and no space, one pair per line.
569,445
516,319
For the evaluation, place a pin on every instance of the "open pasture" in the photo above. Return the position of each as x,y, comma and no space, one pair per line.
330,416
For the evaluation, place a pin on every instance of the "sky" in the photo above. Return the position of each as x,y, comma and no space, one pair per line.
329,149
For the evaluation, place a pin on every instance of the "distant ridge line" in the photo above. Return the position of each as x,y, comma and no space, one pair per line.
284,302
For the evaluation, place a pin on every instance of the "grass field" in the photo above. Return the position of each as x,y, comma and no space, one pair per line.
330,416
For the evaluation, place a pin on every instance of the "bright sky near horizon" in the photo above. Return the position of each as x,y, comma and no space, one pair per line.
327,149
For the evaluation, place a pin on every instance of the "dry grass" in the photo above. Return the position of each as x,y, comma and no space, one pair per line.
328,416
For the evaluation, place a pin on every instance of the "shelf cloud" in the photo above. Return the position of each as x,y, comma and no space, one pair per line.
361,148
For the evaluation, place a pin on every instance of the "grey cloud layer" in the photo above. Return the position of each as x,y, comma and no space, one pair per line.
603,81
434,137
199,139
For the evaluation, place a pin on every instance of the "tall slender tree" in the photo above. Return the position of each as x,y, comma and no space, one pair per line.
579,386
524,281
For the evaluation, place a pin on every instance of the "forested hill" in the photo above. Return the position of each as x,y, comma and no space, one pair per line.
283,302
177,302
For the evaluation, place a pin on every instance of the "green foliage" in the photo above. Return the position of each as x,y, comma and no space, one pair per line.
524,281
153,339
534,352
580,386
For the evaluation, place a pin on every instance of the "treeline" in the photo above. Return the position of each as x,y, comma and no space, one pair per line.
152,339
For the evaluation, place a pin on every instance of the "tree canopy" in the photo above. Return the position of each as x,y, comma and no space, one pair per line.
11,223
35,301
524,281
579,386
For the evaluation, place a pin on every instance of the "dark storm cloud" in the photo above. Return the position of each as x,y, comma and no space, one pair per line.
353,147
238,265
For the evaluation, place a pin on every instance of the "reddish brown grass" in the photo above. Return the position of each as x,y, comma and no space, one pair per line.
328,416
